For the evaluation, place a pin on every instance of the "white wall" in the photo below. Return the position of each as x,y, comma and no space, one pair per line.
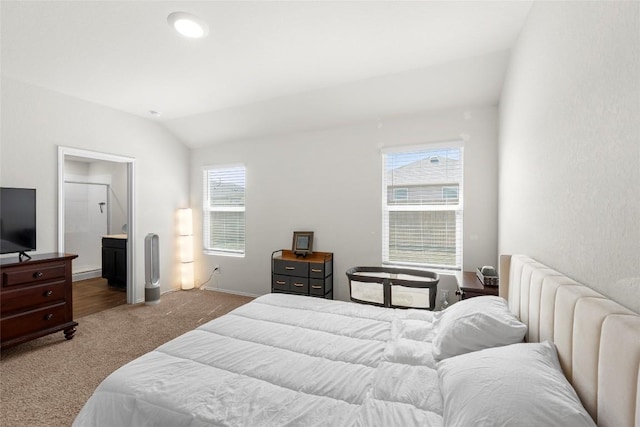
569,145
104,172
330,182
36,121
117,175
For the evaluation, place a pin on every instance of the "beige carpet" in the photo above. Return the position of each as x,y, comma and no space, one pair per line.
45,382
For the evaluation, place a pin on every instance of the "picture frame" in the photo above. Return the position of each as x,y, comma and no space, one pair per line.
302,243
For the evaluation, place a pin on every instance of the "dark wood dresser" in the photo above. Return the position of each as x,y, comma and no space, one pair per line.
36,298
470,286
311,275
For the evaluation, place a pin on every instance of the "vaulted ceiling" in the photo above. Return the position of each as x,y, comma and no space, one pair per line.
266,66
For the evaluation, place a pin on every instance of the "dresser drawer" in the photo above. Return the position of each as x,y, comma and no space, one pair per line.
317,270
299,285
280,282
32,296
316,287
33,274
320,287
291,268
108,242
33,321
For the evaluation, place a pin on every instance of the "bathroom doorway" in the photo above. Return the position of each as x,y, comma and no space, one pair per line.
86,221
95,201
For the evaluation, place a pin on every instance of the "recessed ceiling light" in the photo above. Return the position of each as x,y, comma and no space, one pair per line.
188,25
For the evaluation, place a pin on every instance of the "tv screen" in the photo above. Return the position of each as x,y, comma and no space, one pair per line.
17,220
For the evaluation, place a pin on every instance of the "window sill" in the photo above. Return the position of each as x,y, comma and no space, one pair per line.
439,270
227,254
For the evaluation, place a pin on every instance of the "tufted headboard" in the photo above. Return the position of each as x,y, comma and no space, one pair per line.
598,340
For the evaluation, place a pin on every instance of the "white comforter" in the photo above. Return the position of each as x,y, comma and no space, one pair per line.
281,360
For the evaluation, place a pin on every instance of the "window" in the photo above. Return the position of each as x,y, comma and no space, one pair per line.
224,210
450,193
423,227
400,194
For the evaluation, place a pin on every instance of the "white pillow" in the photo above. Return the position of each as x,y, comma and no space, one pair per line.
475,324
516,385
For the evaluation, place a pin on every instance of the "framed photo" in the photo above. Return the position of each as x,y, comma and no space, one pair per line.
302,242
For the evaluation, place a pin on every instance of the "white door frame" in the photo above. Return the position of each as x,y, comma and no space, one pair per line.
68,151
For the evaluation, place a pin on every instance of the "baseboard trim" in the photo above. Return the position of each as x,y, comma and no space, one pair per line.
232,292
226,291
84,275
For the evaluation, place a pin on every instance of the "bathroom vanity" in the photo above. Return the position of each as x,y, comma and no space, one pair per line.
114,259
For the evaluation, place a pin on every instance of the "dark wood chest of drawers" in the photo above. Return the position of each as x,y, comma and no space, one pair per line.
36,298
311,275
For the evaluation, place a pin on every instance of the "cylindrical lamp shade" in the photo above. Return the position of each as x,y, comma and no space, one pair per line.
185,222
186,274
186,248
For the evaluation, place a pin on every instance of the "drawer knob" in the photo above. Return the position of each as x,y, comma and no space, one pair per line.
316,287
37,275
298,285
289,268
48,316
315,270
47,293
280,282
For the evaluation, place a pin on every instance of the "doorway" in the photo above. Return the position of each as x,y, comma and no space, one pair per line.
86,207
90,207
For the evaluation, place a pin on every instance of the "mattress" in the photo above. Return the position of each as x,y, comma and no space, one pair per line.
282,360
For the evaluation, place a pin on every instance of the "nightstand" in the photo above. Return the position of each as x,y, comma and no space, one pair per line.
470,286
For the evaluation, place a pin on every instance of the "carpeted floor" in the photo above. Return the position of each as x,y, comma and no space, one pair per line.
45,382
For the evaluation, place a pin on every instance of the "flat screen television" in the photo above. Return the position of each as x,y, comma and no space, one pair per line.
17,220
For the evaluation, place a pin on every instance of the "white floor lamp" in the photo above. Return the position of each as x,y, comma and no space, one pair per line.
185,232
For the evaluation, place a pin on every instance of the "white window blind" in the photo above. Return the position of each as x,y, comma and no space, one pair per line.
422,206
224,210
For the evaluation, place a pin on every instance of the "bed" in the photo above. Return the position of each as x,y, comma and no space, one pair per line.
294,360
597,340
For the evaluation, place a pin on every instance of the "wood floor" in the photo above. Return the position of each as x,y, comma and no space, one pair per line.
94,295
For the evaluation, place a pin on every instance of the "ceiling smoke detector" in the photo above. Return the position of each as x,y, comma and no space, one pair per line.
188,25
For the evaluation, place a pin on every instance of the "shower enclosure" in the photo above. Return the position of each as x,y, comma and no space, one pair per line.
86,221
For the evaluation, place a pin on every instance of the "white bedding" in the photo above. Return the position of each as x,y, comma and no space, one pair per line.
282,360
